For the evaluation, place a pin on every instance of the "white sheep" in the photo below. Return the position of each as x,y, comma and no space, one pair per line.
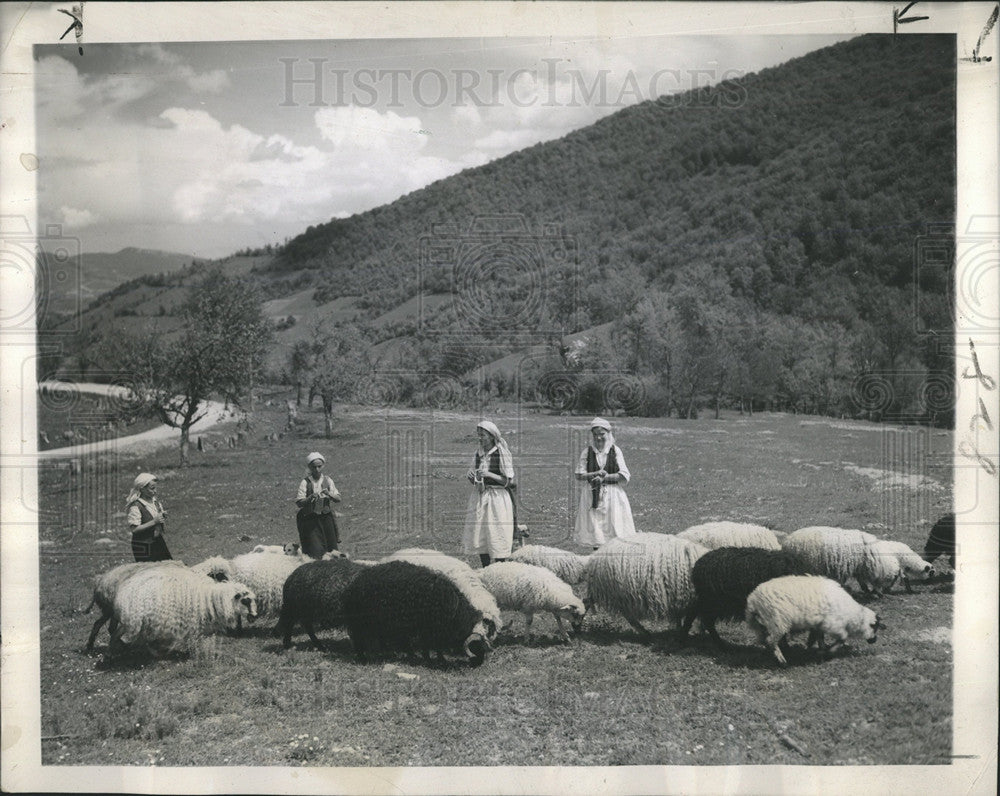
462,575
714,535
644,576
894,561
837,553
529,589
266,576
106,587
170,608
215,567
570,567
789,604
288,549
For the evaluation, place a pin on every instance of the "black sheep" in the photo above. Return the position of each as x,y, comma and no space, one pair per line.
399,606
723,579
941,540
313,595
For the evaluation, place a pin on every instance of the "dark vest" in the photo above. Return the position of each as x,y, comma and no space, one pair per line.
610,466
145,516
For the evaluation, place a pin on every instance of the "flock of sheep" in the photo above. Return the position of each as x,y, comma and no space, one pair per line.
417,600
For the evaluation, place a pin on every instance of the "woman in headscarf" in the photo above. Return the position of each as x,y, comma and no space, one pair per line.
604,511
317,525
489,519
146,518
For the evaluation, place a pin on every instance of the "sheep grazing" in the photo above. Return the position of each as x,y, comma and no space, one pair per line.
895,561
265,575
399,606
723,579
941,540
644,576
313,595
462,575
838,553
731,534
170,608
794,603
570,567
106,587
216,567
530,590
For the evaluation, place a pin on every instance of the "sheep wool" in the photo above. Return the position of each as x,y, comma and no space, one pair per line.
313,595
837,553
265,575
106,588
529,589
895,561
794,603
941,540
570,567
216,567
644,576
399,606
731,534
462,575
171,607
724,578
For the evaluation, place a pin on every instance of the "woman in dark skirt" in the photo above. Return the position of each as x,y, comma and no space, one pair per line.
146,518
316,522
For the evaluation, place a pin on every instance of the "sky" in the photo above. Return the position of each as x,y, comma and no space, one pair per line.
207,148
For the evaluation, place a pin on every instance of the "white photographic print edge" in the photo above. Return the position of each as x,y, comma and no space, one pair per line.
974,707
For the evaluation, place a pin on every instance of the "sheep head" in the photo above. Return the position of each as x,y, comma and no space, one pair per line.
245,605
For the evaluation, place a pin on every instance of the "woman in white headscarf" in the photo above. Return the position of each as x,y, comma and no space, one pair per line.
315,520
489,519
604,511
146,519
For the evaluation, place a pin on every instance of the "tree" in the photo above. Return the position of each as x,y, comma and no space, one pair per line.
218,352
341,361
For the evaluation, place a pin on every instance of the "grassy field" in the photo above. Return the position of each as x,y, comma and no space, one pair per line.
604,699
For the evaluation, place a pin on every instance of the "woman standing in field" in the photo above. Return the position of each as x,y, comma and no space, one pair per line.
146,518
489,519
316,523
604,511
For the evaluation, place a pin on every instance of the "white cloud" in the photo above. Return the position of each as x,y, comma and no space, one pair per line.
74,218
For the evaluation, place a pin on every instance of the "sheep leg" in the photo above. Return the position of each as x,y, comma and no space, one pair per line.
529,617
815,637
775,646
835,647
646,635
562,630
312,635
906,585
708,623
97,626
686,626
115,645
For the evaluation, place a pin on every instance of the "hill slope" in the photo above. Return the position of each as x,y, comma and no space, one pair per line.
749,241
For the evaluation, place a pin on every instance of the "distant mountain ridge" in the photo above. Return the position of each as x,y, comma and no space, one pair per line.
98,272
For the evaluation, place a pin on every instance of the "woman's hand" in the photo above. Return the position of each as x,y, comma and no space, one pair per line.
471,475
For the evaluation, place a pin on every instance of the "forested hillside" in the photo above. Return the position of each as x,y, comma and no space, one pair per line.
751,244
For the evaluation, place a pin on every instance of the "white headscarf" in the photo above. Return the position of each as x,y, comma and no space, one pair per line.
499,443
314,456
609,438
141,480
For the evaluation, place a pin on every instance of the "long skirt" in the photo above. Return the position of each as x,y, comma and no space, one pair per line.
146,547
612,517
489,523
318,533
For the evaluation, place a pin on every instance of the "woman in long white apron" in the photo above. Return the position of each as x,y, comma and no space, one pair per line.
489,519
604,512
